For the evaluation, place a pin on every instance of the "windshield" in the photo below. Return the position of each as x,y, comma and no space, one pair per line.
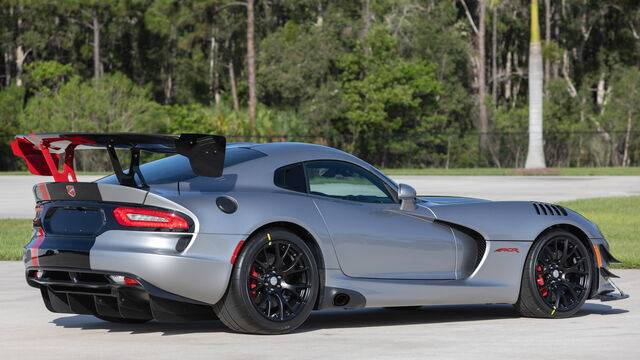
385,177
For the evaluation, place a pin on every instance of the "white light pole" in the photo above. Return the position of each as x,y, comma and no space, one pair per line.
535,155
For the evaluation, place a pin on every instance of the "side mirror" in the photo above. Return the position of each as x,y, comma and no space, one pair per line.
407,196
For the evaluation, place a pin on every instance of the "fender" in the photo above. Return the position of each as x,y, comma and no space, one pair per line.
495,220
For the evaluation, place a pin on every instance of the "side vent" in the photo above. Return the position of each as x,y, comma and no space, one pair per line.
481,243
549,209
482,248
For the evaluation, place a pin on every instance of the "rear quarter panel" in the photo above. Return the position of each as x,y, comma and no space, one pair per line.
257,209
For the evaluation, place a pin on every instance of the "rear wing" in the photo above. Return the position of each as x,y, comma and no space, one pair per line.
42,152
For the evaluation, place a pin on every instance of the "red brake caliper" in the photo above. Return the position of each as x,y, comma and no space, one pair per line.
540,281
253,283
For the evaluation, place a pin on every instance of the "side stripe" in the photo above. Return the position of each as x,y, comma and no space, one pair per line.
44,191
34,248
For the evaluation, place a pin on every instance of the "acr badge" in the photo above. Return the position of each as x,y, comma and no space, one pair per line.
508,250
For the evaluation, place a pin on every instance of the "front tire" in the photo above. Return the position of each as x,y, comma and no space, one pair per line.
557,277
273,287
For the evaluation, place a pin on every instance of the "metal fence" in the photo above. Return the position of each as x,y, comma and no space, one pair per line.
441,150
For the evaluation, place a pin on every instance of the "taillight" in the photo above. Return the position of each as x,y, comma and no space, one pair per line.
120,279
140,217
36,219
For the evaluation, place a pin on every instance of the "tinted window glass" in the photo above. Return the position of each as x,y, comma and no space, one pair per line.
345,181
291,177
176,168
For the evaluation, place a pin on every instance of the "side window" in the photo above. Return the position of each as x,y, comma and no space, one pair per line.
346,181
291,177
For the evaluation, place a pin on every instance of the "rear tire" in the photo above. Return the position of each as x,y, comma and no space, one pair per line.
273,287
557,277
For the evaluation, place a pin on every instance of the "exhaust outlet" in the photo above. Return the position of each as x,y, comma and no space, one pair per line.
341,299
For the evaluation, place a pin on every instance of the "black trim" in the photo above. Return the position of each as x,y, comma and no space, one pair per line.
82,291
608,274
205,153
83,191
291,177
549,209
481,243
355,299
612,296
607,255
227,204
128,178
72,251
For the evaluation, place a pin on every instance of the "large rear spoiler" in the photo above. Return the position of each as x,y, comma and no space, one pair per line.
42,152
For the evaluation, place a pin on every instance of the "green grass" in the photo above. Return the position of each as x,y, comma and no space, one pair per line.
619,221
601,171
14,235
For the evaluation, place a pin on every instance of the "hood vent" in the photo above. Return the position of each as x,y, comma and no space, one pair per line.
549,209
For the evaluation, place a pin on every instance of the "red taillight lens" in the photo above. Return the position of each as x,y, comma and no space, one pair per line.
36,218
140,217
130,281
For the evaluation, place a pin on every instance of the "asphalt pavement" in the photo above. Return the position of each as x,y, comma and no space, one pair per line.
16,197
609,330
537,188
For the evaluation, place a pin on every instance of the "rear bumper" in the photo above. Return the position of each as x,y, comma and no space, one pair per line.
81,291
199,272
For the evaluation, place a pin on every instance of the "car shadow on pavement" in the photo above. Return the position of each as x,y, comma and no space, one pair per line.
599,309
428,315
329,319
88,322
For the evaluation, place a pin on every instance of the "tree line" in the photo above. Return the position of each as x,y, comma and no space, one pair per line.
397,82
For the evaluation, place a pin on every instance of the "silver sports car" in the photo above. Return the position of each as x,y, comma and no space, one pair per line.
259,235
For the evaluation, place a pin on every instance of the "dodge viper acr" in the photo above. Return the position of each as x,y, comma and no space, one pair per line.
259,235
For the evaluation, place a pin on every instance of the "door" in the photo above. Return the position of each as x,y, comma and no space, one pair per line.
372,237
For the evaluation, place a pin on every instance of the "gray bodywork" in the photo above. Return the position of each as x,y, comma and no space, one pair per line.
444,251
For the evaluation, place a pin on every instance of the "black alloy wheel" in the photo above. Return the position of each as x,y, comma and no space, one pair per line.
273,287
280,280
562,273
557,278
